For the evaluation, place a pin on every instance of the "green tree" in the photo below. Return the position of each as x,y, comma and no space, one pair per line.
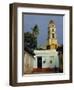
35,30
30,40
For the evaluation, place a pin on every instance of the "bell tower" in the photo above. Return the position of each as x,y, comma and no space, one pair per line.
52,40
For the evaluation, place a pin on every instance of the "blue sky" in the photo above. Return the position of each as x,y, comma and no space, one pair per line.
42,21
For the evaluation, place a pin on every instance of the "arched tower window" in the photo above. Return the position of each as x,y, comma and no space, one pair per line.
52,30
53,36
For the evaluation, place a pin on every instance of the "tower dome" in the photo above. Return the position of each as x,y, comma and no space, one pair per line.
51,22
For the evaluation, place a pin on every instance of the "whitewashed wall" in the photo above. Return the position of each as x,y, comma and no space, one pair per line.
28,63
47,57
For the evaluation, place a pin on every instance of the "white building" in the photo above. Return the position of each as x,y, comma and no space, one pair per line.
28,60
45,59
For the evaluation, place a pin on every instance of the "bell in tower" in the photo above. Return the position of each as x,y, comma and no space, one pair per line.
52,40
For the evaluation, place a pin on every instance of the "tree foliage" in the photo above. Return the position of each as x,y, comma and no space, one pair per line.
30,38
35,31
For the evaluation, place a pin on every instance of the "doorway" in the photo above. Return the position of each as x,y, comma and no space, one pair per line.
39,62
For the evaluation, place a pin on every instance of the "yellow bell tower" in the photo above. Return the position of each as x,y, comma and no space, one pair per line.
52,41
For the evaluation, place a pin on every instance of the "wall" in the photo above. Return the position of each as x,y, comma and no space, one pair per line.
28,63
4,46
47,56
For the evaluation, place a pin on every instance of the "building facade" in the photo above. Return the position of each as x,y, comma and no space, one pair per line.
28,60
45,60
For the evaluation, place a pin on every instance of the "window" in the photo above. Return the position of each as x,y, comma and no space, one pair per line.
52,30
53,35
44,61
50,61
